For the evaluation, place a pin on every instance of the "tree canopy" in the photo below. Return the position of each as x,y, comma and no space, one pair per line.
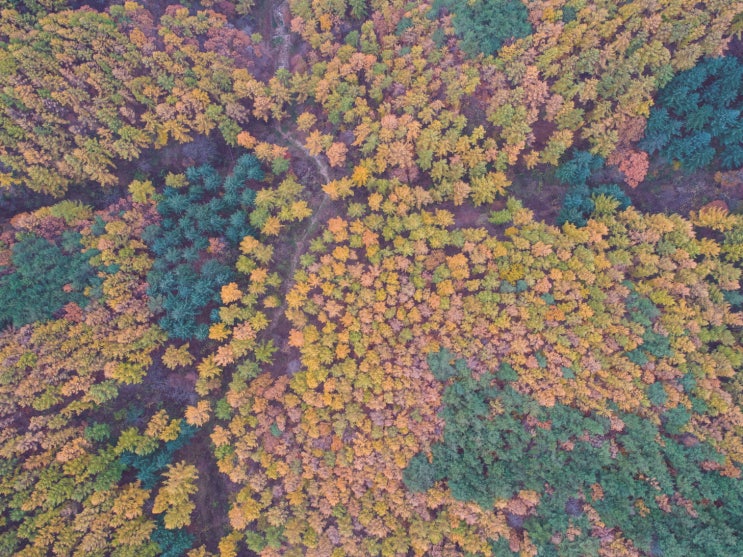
377,279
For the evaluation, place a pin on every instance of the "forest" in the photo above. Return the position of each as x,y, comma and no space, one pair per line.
374,278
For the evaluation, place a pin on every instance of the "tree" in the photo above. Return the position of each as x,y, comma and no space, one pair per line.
44,277
85,89
697,116
485,25
186,278
578,169
173,498
634,166
177,357
484,457
337,154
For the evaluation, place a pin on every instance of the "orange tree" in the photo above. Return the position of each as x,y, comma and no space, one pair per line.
625,319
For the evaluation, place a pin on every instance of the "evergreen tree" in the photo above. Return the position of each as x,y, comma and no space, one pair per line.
484,457
43,277
185,278
696,116
484,25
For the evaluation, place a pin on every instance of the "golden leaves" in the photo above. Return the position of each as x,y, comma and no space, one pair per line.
485,189
224,356
272,226
244,331
362,403
375,201
177,357
443,218
230,293
540,249
141,191
299,210
198,415
305,121
245,510
716,216
208,368
296,338
337,154
338,189
249,244
130,501
338,228
360,175
219,331
160,428
317,142
259,275
458,266
173,498
296,297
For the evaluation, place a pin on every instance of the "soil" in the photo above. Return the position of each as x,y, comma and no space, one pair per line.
539,191
468,215
209,521
664,190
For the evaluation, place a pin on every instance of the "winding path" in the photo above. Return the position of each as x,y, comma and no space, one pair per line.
320,213
282,40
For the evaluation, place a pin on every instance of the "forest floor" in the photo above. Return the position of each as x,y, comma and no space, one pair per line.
212,496
664,190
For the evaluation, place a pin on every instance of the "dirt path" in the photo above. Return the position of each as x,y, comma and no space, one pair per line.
281,34
322,209
281,42
320,163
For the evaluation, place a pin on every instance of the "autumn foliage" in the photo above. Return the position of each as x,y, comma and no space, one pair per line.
584,319
370,278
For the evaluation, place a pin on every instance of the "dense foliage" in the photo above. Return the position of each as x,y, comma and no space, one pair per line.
44,276
81,89
589,337
498,443
484,25
697,116
200,223
578,203
453,301
63,488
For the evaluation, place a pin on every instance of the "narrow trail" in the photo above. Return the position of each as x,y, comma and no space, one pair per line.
281,35
320,213
321,165
281,43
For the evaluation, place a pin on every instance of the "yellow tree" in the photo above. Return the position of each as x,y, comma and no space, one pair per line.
174,499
